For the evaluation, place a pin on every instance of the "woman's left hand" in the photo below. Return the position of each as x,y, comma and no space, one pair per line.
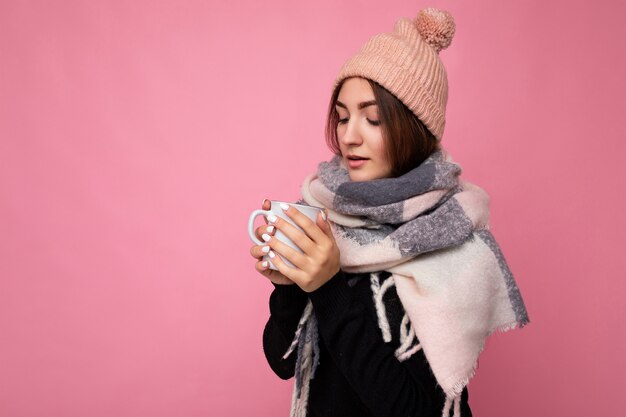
319,261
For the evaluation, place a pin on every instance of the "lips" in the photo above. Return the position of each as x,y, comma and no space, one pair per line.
355,161
356,157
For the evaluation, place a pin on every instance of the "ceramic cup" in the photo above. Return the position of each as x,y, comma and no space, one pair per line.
309,211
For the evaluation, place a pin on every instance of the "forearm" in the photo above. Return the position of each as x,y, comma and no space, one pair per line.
287,303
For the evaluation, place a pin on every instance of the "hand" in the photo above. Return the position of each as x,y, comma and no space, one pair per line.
319,261
256,251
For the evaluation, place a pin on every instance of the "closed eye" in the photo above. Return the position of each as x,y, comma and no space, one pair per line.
372,122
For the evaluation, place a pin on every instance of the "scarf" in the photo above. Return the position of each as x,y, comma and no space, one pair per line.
430,230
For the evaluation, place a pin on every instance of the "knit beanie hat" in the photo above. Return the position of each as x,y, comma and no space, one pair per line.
406,62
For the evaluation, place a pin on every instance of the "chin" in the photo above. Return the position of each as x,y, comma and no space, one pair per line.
361,176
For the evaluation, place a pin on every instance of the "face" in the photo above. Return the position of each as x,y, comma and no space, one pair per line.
359,132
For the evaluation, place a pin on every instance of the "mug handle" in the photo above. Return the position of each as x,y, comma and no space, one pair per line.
253,216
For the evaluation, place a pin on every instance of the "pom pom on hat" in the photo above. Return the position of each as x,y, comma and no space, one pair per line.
436,27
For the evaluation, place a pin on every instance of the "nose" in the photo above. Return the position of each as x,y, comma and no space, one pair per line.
351,134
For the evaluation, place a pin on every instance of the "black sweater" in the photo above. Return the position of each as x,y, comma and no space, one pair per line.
358,373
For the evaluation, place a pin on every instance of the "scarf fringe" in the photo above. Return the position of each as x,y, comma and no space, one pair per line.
405,351
378,292
306,339
458,386
407,334
452,401
305,316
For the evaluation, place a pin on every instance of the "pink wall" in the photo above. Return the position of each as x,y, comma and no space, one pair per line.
135,137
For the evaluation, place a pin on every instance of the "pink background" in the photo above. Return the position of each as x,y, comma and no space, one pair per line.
135,138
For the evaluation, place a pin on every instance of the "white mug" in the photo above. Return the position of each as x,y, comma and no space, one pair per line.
309,211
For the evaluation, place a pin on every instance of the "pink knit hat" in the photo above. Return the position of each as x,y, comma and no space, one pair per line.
406,62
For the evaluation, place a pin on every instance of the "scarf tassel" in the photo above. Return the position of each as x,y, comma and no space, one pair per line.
454,401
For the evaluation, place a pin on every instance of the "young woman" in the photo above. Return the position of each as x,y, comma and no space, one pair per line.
400,282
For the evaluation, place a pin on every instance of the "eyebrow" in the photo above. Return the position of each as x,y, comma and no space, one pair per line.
362,105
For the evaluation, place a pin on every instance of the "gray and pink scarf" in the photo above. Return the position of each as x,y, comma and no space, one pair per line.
430,230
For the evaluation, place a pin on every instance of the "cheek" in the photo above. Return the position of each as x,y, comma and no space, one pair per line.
378,146
382,162
340,131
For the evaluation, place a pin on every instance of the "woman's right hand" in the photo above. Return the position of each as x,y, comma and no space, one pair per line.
256,251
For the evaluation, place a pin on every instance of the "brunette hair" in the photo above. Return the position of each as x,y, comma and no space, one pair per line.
408,142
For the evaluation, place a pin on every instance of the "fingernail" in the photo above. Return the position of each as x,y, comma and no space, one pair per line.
324,215
265,249
284,206
270,229
263,203
264,264
272,254
272,218
266,237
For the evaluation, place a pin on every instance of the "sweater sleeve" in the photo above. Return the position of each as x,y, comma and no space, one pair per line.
385,385
287,303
